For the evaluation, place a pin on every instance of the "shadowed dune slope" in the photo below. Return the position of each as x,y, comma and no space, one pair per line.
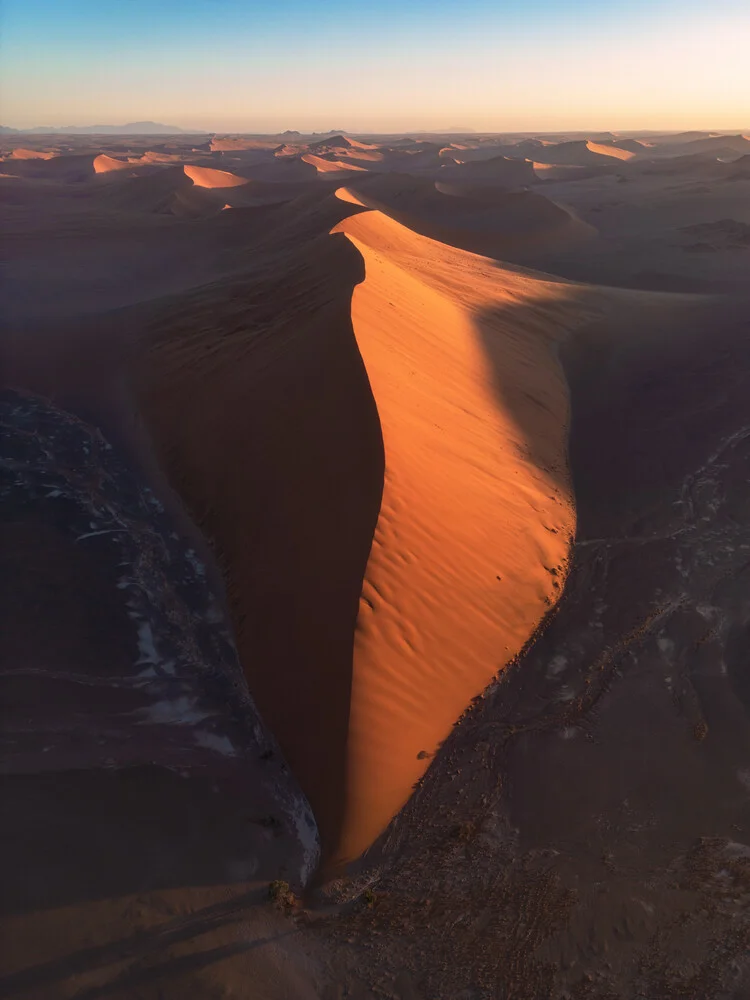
29,154
260,406
581,153
264,414
501,171
488,221
471,544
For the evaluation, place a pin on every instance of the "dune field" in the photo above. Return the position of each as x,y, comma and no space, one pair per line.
432,455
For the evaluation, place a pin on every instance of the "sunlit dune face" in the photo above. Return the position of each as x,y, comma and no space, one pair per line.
324,166
207,177
613,151
30,154
106,164
476,518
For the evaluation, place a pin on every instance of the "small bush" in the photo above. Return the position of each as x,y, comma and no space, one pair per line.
280,894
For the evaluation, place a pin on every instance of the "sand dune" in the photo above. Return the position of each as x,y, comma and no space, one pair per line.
369,423
472,409
207,177
499,171
617,150
332,166
29,154
104,164
64,168
476,517
580,153
510,226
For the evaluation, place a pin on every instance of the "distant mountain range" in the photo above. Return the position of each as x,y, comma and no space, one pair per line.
132,128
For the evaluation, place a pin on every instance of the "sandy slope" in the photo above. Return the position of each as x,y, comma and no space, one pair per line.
207,177
326,166
472,408
284,474
104,164
476,518
488,220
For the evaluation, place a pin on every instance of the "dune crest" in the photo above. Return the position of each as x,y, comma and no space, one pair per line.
477,516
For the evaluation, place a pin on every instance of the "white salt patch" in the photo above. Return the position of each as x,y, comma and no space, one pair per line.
146,645
105,531
178,712
556,666
221,744
195,562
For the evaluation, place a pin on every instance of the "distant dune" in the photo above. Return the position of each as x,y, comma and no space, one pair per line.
483,220
499,171
207,177
329,166
105,164
19,153
581,153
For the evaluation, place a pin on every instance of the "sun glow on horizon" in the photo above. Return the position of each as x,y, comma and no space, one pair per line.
223,66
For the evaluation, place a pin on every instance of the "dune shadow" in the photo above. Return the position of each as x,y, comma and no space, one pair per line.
520,344
141,946
267,428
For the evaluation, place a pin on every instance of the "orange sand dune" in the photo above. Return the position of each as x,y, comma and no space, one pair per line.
207,177
285,476
495,223
356,144
477,513
604,149
159,191
567,171
29,154
104,164
580,153
361,155
324,166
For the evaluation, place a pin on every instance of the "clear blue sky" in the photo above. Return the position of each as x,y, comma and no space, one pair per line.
392,64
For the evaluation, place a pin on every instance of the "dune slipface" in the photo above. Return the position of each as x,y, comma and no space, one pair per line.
477,516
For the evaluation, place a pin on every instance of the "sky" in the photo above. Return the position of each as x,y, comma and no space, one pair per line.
377,65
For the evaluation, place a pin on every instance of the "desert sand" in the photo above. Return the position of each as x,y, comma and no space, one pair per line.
455,430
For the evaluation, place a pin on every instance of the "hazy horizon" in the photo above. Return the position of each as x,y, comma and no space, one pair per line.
218,65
